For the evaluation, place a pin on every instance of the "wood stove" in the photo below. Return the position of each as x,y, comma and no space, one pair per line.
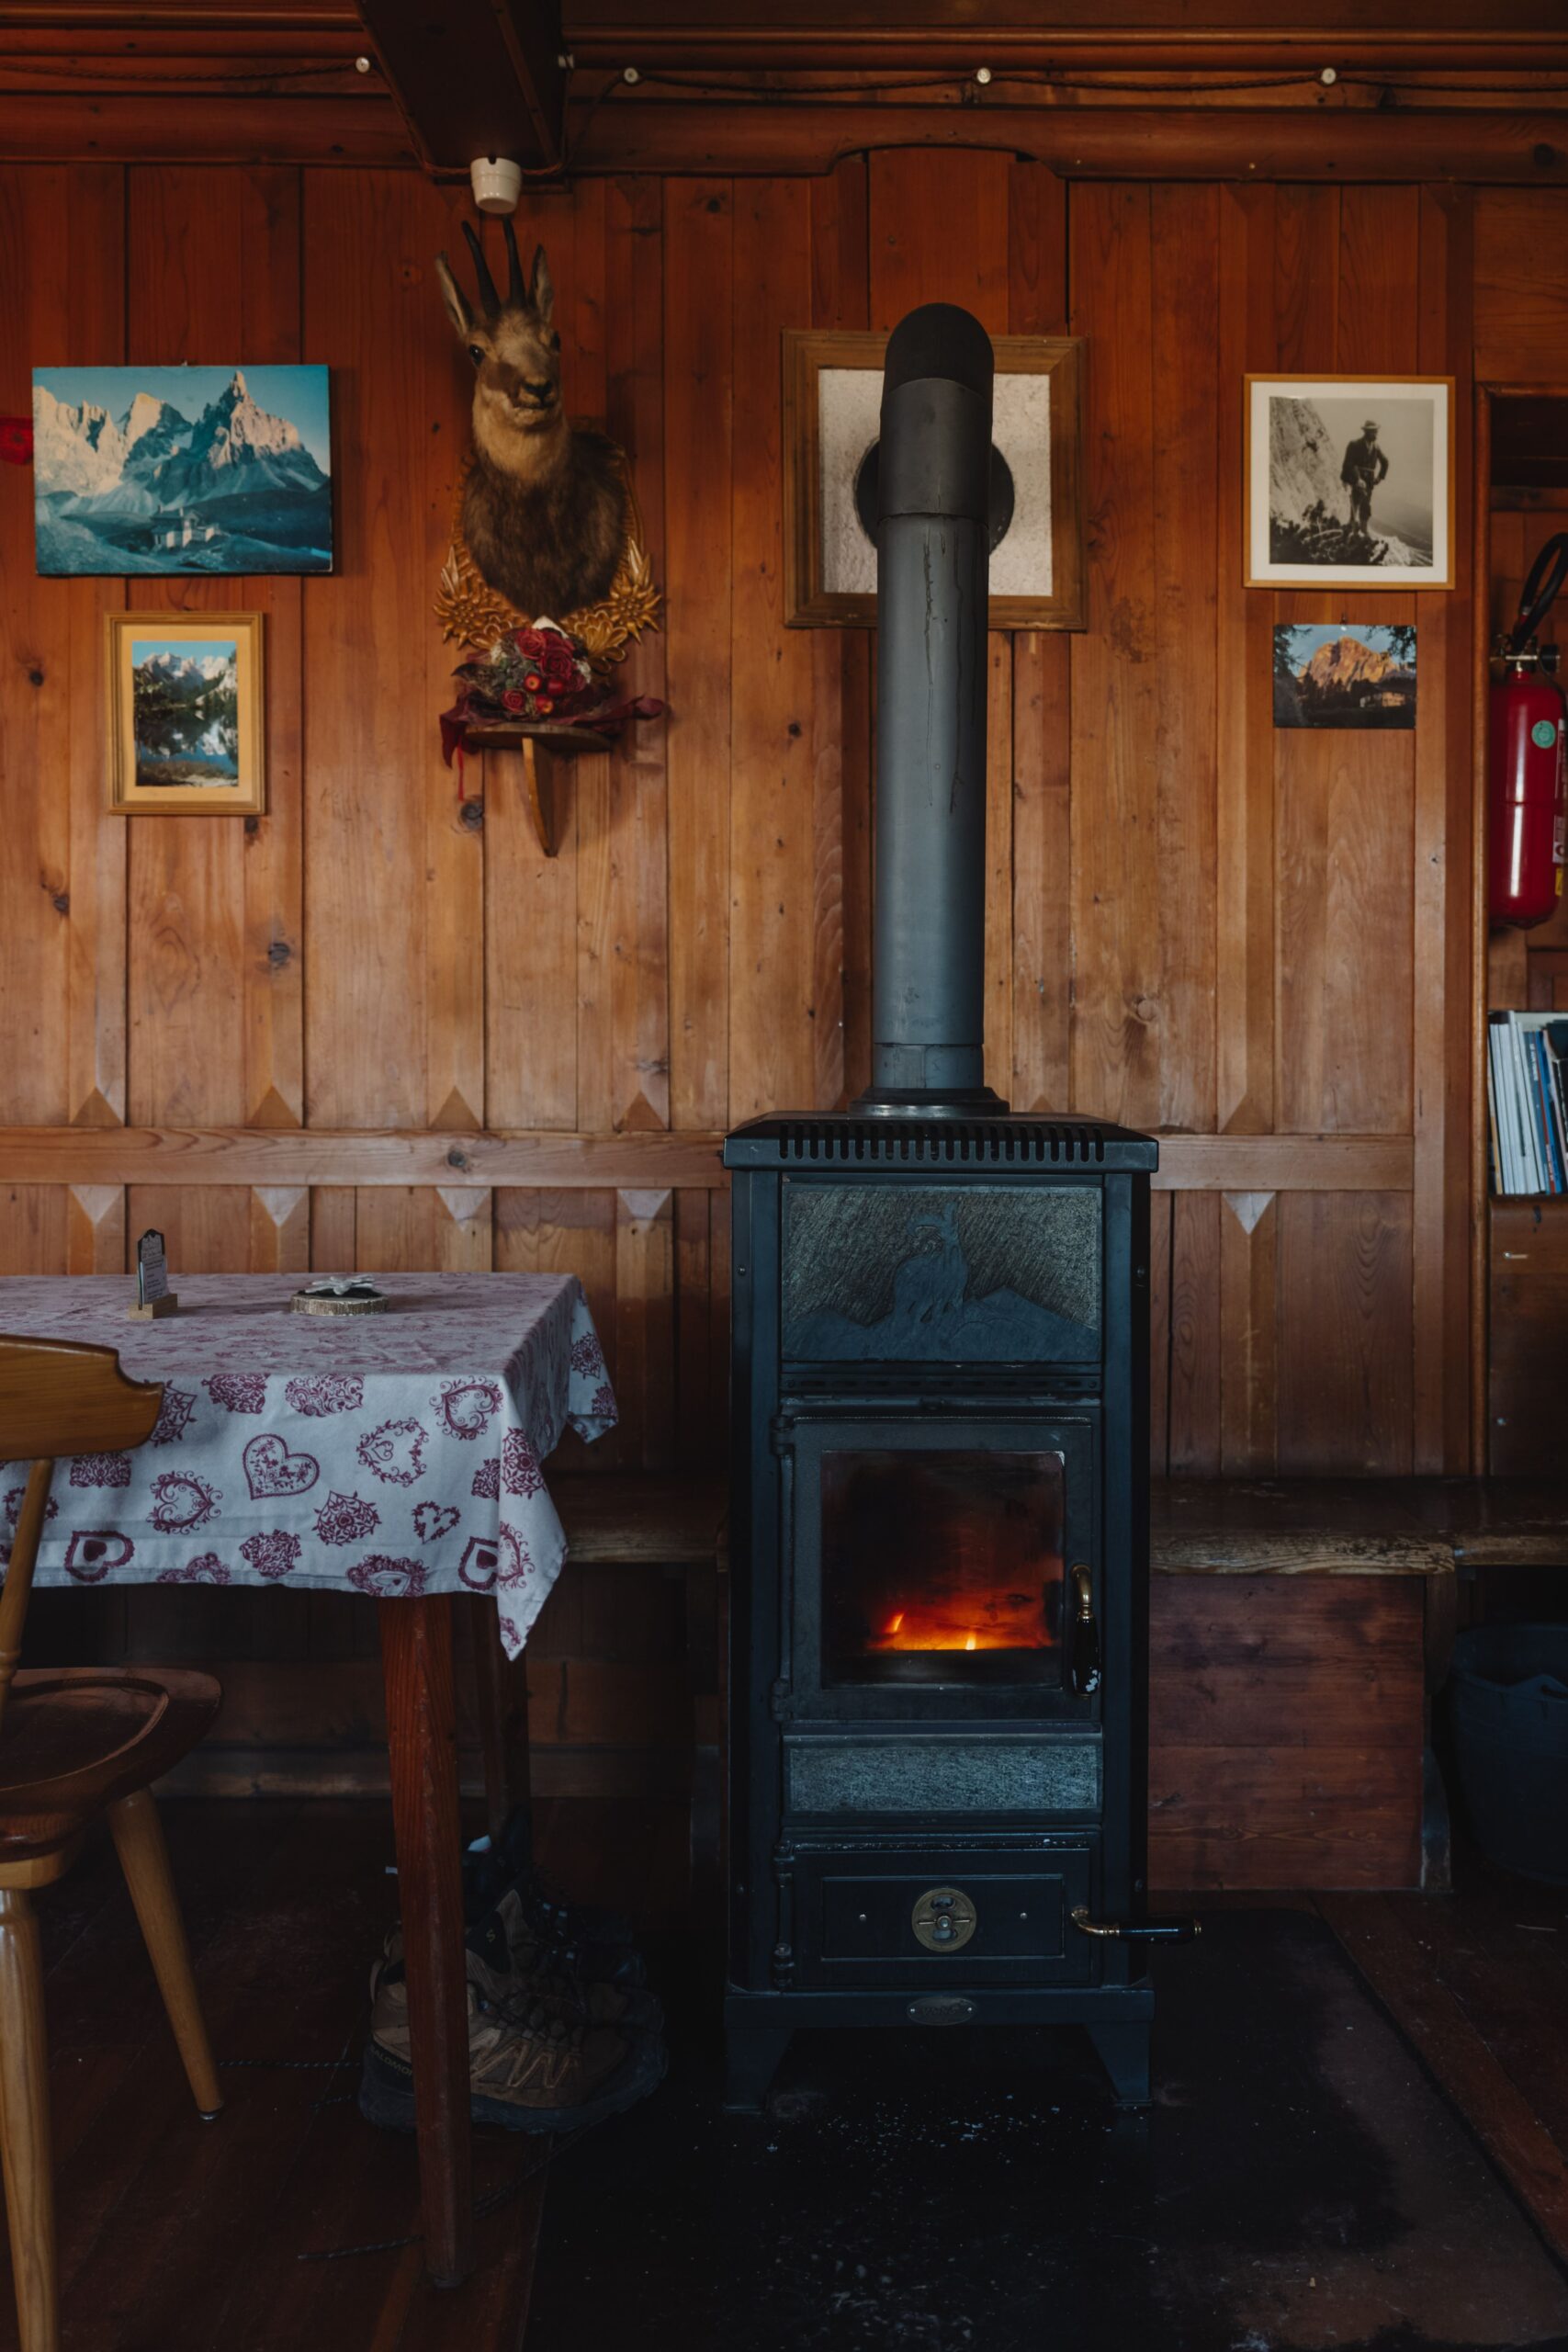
940,1358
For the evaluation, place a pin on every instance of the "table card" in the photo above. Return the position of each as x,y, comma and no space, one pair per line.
153,1296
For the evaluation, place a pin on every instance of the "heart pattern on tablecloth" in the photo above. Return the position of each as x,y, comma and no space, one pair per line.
272,1469
432,1520
275,1435
394,1453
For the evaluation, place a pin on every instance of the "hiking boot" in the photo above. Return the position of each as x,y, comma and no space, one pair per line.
508,1963
492,1967
530,2069
494,1867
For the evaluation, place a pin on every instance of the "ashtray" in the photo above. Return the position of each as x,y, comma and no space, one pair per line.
340,1295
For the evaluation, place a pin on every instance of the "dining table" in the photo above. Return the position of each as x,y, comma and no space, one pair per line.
395,1454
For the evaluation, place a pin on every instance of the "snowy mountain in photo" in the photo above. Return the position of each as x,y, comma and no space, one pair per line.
148,488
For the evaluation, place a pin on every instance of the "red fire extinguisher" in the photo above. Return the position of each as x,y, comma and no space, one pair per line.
1528,757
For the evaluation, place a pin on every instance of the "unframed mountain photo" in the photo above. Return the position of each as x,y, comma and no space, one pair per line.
182,469
1349,483
1352,676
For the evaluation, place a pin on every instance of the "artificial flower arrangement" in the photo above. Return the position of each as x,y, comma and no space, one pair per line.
539,675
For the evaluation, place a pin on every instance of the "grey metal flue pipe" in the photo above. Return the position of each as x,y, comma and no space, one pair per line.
932,578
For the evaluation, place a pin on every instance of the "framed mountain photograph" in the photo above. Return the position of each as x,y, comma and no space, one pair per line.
181,469
1350,481
832,401
184,714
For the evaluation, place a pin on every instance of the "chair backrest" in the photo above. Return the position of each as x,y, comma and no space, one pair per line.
57,1396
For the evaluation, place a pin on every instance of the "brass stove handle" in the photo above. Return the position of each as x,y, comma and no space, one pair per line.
1086,1668
1139,1931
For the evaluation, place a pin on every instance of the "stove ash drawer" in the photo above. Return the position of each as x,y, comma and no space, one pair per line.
994,1918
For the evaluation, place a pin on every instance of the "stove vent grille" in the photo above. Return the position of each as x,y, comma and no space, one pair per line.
994,1143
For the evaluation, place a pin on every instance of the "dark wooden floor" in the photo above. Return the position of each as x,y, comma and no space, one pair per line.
290,2222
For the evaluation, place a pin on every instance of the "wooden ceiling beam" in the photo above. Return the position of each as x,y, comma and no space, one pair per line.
474,77
635,134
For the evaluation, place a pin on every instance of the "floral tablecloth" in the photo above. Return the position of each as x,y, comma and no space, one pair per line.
389,1454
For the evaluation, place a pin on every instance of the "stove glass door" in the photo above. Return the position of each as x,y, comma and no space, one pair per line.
942,1566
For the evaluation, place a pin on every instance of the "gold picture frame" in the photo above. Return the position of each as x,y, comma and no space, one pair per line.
1054,490
1287,544
187,695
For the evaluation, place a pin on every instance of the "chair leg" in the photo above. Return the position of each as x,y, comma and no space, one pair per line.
144,1859
24,2125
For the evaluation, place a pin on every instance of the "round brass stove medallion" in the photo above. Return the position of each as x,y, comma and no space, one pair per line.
943,1918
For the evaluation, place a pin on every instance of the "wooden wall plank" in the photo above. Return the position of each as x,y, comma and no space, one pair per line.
35,905
1116,880
640,1016
280,1229
1345,840
1521,286
34,1234
841,692
214,258
1197,1365
1184,354
1443,946
274,861
372,765
1246,339
1248,1337
1161,1213
644,1325
1041,855
772,1058
1345,1329
95,1229
699,525
1301,288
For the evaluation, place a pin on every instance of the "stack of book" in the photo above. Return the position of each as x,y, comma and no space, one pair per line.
1527,1065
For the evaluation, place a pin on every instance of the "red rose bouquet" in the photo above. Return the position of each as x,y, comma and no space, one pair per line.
539,675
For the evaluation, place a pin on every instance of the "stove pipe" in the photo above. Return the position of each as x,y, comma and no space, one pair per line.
932,579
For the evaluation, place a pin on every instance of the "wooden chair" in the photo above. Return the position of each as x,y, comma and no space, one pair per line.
74,1744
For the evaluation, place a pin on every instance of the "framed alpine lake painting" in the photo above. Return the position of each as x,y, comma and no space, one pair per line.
1350,481
184,714
173,470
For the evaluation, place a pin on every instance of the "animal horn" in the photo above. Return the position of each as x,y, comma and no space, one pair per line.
516,289
488,294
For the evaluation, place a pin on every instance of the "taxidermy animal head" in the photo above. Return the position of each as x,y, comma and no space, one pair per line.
545,507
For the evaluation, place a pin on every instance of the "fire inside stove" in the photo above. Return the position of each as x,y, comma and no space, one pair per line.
942,1566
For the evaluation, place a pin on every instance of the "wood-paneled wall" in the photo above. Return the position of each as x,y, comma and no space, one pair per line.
1193,923
260,1035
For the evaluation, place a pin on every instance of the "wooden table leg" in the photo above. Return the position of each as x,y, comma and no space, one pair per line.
422,1744
500,1692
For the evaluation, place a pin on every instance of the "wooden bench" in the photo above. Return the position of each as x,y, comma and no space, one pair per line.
1299,1630
670,1521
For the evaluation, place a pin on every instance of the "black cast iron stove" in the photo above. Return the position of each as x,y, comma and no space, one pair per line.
939,1521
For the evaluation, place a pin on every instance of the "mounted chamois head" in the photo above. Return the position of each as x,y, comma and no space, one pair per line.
516,356
544,508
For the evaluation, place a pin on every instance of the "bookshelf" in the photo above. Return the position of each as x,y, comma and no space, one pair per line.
1520,1276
